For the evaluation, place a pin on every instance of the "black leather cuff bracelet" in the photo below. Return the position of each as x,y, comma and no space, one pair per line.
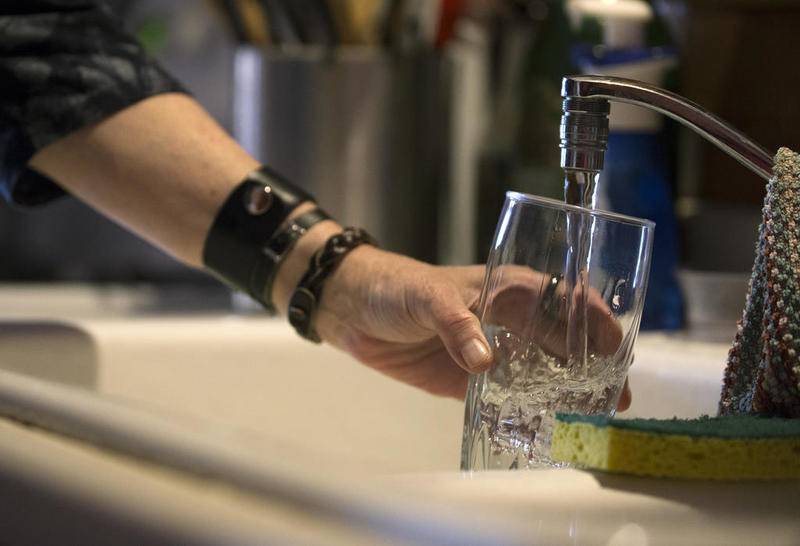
306,297
234,247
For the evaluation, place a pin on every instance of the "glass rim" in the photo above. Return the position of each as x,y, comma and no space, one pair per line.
529,199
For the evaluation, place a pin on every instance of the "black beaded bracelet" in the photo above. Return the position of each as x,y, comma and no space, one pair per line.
306,297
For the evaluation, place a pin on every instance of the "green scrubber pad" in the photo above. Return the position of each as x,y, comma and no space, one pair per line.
723,448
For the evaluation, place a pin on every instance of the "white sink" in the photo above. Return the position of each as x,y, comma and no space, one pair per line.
576,507
271,395
257,378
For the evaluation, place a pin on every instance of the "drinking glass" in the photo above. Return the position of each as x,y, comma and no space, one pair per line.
561,304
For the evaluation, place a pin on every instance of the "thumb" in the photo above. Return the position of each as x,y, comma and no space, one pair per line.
460,332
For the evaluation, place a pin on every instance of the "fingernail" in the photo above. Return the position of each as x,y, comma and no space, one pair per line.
475,354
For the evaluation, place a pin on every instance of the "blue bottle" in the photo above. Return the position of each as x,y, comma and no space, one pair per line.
634,179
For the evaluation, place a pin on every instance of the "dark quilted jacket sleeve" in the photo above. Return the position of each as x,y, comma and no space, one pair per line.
64,64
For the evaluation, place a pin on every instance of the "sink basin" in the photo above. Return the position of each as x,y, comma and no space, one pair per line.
277,399
567,506
254,376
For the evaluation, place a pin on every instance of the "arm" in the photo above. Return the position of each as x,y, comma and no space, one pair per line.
64,64
162,168
151,159
82,104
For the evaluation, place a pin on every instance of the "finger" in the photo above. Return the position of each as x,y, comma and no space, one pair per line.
625,398
470,283
522,302
519,305
459,330
604,330
432,370
594,320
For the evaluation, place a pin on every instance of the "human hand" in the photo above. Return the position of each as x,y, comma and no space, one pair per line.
413,321
537,306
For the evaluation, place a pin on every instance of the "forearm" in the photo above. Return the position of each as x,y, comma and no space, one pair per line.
162,168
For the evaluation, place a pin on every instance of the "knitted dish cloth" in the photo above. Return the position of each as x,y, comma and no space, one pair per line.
763,366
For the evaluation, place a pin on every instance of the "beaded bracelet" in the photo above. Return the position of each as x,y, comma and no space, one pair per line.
307,295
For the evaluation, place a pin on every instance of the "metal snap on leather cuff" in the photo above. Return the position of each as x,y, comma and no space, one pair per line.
259,200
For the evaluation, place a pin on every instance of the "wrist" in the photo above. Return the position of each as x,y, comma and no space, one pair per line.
349,289
295,264
245,245
317,282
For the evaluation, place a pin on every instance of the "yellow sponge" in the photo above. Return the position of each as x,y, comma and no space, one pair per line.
738,447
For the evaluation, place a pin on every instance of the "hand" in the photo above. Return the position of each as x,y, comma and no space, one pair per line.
412,321
521,303
532,304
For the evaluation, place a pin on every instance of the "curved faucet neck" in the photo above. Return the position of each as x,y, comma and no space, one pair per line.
582,151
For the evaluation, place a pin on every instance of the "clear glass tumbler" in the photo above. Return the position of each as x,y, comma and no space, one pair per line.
560,306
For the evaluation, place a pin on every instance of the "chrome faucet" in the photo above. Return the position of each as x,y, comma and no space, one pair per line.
584,128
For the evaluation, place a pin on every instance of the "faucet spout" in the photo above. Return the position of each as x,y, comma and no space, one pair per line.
583,144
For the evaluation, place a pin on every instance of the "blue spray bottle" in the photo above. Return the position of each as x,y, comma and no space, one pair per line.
634,179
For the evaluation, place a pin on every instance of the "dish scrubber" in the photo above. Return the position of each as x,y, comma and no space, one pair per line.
737,447
763,372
